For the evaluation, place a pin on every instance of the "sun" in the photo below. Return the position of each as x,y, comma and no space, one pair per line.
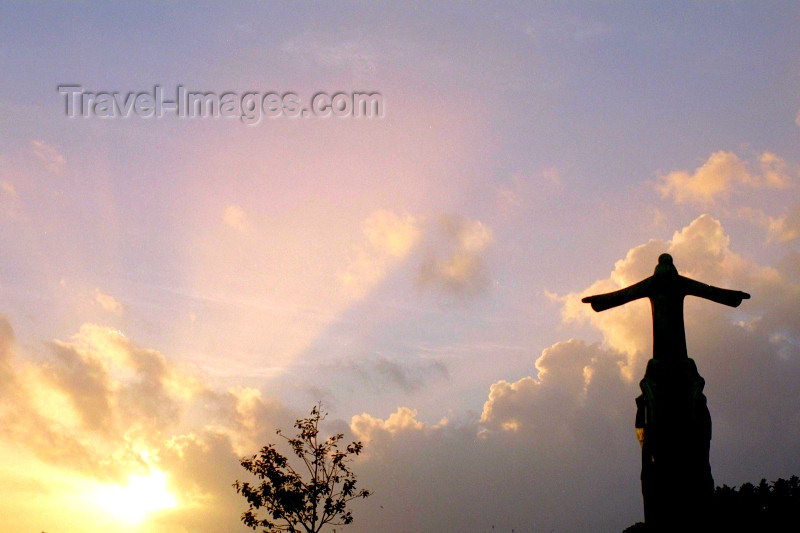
140,497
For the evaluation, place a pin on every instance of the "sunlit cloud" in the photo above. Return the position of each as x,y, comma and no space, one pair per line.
138,426
255,270
566,371
581,398
723,173
701,251
781,229
529,429
108,302
775,171
367,428
456,261
388,238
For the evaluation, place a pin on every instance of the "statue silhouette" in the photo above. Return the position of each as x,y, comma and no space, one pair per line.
666,290
672,419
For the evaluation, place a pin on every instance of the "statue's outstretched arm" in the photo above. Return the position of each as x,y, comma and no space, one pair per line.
715,294
601,302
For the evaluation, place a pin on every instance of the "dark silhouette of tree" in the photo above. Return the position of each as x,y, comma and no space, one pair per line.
763,507
766,507
292,503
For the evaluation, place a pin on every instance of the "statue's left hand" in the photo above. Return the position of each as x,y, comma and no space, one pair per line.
593,301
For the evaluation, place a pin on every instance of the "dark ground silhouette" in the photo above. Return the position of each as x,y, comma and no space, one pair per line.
765,507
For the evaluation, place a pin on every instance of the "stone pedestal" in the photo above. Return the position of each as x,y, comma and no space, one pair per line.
676,474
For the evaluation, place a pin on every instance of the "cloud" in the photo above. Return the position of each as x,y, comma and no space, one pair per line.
542,446
774,170
785,228
453,257
758,351
107,302
456,262
563,439
388,238
367,428
575,382
531,458
700,250
391,234
235,217
723,173
102,408
406,376
52,159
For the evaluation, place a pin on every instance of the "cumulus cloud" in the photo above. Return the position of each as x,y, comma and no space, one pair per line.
367,428
563,439
542,446
532,456
747,356
700,250
456,262
53,160
104,408
107,302
723,173
388,238
784,228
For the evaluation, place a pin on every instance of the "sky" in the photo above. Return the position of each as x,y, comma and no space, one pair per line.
174,289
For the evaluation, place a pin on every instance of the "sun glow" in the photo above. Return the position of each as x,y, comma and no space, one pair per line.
140,497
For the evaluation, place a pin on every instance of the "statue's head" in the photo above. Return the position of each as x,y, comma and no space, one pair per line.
665,266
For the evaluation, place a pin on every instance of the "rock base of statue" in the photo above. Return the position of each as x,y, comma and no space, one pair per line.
675,431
